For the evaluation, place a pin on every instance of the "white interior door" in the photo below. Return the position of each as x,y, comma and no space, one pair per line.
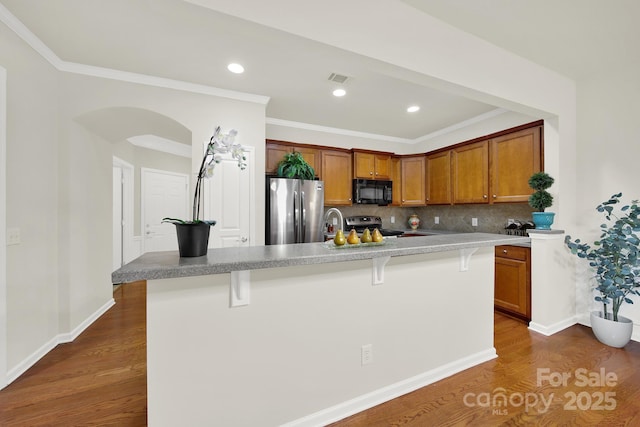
230,201
164,194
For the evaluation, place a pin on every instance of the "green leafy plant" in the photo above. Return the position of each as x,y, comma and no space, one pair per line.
615,256
540,199
293,165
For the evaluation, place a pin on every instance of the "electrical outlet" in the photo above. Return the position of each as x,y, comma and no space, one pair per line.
393,219
436,220
13,236
335,221
474,222
366,354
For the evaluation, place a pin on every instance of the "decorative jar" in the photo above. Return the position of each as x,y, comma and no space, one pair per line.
414,222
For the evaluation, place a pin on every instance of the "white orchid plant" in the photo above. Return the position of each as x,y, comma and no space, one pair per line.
219,144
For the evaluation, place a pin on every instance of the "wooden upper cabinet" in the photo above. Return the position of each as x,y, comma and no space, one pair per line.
368,165
413,180
275,152
439,178
311,156
337,177
396,181
514,158
470,172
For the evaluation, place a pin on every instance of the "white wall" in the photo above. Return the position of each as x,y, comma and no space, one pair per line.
608,152
3,227
59,277
32,198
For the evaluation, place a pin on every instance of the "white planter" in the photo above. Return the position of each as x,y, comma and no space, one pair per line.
613,334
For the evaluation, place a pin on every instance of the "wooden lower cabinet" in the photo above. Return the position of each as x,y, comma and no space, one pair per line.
513,281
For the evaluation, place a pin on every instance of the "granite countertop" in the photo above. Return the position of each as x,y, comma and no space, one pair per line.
165,265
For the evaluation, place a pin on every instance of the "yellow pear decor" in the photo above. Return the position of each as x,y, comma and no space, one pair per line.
353,238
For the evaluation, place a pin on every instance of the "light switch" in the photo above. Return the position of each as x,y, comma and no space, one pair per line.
436,220
474,222
13,236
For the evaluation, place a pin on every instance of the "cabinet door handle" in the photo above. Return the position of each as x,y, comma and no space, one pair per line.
484,196
370,173
494,196
504,251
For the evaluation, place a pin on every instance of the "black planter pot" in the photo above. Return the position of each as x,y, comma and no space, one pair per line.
193,239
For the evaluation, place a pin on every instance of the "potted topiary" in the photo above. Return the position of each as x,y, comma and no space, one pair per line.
617,271
541,199
294,166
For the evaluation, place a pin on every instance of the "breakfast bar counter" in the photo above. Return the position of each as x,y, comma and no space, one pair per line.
307,334
166,265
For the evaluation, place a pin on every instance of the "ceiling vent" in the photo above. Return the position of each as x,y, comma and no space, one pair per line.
338,78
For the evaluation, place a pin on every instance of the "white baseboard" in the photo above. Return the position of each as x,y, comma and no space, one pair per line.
70,336
555,328
33,358
369,400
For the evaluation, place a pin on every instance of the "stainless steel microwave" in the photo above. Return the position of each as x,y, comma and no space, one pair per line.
370,192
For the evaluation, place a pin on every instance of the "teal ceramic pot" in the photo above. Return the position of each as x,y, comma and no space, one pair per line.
543,220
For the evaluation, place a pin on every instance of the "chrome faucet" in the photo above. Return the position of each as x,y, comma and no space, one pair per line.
338,213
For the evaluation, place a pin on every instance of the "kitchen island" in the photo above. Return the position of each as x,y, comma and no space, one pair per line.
307,334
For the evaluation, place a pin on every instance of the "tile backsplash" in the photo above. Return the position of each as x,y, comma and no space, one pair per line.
491,218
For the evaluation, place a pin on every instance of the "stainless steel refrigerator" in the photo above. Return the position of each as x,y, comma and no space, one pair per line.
295,210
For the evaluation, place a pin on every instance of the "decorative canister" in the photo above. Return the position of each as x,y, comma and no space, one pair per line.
414,222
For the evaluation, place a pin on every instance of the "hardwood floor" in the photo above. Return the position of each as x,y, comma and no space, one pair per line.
467,399
100,379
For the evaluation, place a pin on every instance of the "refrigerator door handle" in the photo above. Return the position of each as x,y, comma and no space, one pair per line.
296,219
303,223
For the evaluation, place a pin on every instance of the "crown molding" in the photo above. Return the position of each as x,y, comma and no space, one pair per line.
337,131
346,132
462,124
144,79
36,44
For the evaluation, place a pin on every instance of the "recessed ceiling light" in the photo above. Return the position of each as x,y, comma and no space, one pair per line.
413,109
235,68
339,92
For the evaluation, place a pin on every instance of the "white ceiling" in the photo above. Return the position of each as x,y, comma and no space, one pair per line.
577,38
182,41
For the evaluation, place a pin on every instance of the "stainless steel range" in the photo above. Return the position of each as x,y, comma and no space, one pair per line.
370,222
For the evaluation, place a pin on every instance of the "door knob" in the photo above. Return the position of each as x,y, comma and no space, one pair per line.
243,239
